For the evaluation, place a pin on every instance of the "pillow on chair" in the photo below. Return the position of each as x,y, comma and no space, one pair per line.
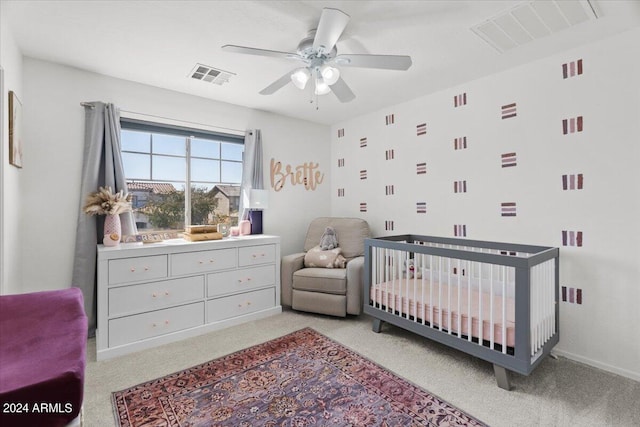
318,258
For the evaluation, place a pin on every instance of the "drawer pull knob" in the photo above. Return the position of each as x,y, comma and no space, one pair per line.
239,280
166,322
154,295
133,270
248,279
212,260
146,269
154,325
248,302
200,262
166,293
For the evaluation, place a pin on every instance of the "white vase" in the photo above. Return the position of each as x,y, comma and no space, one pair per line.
112,230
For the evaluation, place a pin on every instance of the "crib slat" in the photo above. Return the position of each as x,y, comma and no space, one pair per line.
388,266
431,310
459,301
480,311
423,310
469,312
449,296
492,319
504,312
440,293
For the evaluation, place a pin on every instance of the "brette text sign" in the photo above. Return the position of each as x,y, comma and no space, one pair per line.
306,174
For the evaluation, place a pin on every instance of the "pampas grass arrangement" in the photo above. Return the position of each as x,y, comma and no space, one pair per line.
105,202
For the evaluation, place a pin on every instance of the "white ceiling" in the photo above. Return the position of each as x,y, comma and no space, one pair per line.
159,42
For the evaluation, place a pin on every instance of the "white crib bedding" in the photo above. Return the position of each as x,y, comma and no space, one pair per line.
415,297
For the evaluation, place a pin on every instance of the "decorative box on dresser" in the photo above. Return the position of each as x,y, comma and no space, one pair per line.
153,294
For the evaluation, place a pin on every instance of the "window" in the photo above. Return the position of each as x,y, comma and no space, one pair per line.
162,161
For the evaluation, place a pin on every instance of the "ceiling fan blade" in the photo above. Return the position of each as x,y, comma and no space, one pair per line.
260,52
384,62
332,24
342,91
277,85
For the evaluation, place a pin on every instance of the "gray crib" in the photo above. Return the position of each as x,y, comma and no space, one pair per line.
495,301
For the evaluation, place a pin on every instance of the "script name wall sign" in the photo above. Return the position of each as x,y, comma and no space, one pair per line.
306,174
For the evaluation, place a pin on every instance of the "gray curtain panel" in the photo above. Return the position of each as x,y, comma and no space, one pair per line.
251,167
102,166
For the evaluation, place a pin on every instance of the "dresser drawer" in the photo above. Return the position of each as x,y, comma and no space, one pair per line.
252,255
237,305
240,280
136,269
129,329
196,262
153,296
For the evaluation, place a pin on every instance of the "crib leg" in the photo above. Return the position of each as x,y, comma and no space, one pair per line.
377,326
502,377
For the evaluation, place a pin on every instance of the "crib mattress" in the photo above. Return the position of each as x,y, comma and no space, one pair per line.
43,343
412,298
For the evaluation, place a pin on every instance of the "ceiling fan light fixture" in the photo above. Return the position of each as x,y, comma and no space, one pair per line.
322,88
300,77
330,74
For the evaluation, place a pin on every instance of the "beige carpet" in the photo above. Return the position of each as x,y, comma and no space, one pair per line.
558,393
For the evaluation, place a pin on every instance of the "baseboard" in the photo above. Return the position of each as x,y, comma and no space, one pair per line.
605,367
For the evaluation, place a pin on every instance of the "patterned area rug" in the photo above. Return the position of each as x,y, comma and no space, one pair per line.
301,379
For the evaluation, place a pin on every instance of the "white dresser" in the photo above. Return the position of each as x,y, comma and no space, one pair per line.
152,294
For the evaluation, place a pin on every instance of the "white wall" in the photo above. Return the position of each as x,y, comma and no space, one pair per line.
10,176
54,122
603,330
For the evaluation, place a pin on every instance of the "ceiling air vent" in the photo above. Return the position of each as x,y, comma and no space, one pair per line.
210,74
533,20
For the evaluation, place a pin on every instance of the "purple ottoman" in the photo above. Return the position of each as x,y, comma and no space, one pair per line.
43,338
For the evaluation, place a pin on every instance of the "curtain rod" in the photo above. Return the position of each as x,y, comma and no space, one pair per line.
90,105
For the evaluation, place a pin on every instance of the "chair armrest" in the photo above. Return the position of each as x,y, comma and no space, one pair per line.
289,265
355,283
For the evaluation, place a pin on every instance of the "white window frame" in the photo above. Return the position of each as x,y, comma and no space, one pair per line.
198,130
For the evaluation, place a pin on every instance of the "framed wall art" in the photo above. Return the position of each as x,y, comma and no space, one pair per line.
2,113
15,130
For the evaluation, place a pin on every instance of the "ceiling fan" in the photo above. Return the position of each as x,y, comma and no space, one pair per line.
318,52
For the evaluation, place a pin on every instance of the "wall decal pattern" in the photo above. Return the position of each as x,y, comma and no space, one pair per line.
508,209
572,125
390,119
460,100
460,230
571,238
460,186
572,182
572,69
508,111
575,118
508,160
389,154
571,295
505,143
460,143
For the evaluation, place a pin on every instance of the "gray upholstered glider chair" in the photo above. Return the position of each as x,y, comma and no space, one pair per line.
332,291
